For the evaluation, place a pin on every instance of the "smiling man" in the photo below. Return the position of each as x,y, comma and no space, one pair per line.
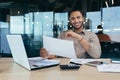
86,43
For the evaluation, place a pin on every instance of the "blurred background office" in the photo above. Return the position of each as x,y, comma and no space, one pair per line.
35,18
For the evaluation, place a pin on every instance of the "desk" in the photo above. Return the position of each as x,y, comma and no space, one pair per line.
12,71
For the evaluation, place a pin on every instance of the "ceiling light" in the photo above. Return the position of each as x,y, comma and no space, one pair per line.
112,2
106,4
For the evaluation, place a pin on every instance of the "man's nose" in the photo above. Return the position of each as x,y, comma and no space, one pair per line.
76,20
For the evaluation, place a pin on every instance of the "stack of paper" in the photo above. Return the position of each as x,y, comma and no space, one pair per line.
109,68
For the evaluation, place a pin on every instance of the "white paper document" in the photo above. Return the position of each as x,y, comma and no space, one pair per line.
64,48
109,68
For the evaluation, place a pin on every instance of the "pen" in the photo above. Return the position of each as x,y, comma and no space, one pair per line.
75,63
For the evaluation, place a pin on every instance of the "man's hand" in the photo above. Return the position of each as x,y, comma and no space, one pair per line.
70,33
44,53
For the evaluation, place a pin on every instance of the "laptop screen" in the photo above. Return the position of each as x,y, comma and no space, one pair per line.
18,50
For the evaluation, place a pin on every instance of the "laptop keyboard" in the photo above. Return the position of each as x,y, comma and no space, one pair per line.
42,62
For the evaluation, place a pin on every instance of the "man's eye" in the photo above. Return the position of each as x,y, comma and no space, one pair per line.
72,18
78,17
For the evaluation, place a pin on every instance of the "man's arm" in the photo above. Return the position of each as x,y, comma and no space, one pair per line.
91,46
95,48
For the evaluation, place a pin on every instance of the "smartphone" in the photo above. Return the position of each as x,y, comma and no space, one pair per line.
94,63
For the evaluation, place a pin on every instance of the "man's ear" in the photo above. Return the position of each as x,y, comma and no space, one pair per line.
69,22
83,19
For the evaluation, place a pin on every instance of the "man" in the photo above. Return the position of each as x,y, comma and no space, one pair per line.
86,43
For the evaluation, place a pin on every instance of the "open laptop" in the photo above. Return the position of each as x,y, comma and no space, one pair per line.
20,56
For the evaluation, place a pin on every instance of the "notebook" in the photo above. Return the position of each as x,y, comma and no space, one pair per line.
20,56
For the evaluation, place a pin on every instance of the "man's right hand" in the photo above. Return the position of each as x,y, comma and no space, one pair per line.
44,53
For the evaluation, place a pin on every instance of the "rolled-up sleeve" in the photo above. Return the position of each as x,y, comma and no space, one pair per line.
95,48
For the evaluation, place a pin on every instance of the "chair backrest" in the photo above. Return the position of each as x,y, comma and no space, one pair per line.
104,38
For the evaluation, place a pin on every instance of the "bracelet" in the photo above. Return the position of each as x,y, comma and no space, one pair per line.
81,39
55,56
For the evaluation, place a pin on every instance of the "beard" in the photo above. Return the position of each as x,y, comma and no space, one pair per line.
80,27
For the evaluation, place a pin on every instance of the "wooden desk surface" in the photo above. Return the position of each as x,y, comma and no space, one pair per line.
12,71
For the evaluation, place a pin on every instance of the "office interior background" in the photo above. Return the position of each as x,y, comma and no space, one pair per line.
35,18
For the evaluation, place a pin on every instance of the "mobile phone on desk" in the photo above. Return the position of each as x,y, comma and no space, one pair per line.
94,63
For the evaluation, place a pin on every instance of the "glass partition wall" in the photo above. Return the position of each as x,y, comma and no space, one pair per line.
32,26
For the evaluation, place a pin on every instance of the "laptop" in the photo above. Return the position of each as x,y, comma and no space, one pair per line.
20,56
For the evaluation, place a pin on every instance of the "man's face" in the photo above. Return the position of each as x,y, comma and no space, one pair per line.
76,19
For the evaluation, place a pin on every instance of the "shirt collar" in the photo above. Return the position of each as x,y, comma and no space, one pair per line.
83,32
